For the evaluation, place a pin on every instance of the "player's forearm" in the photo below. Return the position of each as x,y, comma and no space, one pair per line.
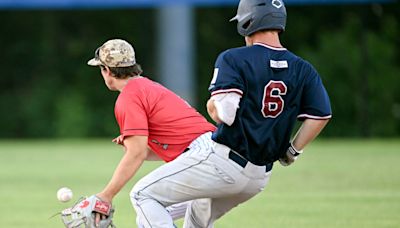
307,132
135,154
125,170
212,112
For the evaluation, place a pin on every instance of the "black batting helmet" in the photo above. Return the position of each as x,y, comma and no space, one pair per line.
256,15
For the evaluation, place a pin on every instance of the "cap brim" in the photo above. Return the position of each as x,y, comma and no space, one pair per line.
94,62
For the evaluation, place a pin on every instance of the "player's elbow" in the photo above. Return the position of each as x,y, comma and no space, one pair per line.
212,112
136,147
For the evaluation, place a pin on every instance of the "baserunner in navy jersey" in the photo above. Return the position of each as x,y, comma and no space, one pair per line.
260,90
272,88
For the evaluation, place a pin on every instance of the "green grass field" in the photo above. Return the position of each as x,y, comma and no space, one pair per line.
336,183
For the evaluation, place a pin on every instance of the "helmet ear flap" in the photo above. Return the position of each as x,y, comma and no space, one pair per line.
247,24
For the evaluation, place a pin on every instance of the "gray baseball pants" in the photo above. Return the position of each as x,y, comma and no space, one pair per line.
204,174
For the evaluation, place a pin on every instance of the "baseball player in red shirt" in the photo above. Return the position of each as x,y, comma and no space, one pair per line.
154,122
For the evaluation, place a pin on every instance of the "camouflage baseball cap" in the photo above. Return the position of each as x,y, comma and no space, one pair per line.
114,53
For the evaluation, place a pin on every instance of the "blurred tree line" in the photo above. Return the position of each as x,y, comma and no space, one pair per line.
47,90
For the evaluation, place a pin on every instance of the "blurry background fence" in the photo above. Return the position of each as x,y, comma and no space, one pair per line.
47,90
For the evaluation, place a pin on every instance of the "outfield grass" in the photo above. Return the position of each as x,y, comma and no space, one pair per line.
336,183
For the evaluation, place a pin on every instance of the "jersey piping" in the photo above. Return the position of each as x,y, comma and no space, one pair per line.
238,91
271,47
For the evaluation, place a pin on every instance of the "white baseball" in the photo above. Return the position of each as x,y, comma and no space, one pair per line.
64,194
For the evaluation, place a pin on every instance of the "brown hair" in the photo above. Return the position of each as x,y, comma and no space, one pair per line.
126,72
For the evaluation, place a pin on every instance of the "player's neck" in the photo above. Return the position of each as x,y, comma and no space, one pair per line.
270,38
121,83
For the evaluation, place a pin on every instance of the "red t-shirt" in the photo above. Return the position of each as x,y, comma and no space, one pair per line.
145,107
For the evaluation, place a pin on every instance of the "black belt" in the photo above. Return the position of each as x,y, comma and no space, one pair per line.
243,162
240,160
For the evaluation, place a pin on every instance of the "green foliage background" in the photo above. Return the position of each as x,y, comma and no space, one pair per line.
47,90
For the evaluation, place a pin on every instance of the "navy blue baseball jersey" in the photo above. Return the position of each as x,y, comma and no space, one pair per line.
277,87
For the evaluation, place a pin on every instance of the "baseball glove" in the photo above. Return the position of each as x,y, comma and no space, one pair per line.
82,214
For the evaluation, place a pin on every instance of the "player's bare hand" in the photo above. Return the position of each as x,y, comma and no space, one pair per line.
290,156
119,140
287,160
